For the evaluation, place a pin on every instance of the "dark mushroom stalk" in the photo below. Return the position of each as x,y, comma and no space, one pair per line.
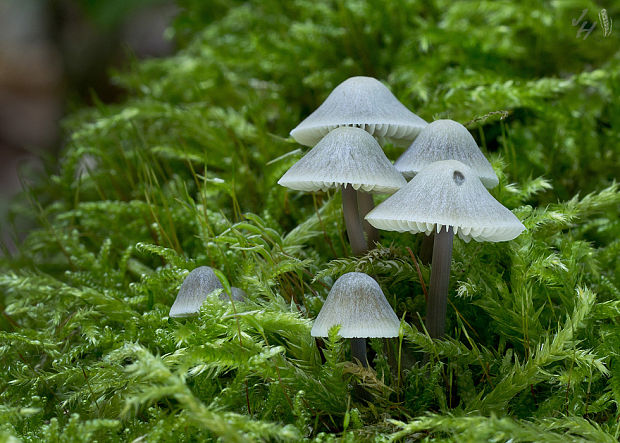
350,159
366,204
352,220
357,303
448,198
358,351
440,280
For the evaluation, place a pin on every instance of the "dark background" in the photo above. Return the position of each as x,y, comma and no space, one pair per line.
57,56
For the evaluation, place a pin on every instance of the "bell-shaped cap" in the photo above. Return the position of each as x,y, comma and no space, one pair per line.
447,193
357,304
197,285
344,156
446,140
366,103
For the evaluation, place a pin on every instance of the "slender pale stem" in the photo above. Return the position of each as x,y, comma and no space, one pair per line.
352,220
440,278
358,350
366,204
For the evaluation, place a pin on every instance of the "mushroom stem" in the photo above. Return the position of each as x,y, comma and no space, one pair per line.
426,248
352,220
358,350
365,205
440,278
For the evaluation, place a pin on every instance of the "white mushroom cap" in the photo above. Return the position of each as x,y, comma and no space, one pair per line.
194,290
446,140
364,102
357,304
344,156
447,193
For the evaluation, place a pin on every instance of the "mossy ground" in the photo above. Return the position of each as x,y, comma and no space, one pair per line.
183,173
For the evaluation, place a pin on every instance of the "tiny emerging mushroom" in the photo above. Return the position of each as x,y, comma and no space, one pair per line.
446,197
236,294
357,304
351,159
194,290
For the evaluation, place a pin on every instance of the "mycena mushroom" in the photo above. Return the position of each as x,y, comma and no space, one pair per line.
446,197
350,159
444,140
194,290
356,303
366,103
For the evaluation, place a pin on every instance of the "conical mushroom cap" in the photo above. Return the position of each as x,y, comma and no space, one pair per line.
446,140
364,102
447,193
344,156
357,304
194,290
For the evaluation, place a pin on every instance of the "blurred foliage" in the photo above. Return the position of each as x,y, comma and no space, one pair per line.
183,174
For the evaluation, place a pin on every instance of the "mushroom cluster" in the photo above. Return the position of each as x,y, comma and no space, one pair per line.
344,155
446,196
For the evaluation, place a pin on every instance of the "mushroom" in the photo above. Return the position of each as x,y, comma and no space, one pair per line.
357,304
366,103
446,140
446,197
351,159
236,294
194,290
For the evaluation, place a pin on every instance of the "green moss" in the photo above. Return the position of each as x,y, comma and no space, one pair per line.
185,175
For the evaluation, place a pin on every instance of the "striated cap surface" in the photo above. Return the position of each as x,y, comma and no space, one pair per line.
344,156
194,290
446,140
366,103
447,193
357,304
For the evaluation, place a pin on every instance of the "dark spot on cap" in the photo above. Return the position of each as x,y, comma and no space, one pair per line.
458,177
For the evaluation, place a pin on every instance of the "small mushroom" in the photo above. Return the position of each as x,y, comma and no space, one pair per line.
194,290
366,103
446,140
446,197
236,294
357,304
351,159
